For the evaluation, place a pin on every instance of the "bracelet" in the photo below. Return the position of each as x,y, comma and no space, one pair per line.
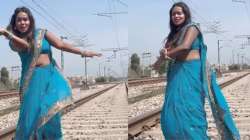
168,58
10,36
83,53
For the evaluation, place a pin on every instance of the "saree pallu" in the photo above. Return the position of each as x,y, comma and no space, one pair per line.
183,116
46,93
189,83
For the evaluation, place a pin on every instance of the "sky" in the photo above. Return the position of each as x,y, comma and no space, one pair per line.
141,28
149,25
76,19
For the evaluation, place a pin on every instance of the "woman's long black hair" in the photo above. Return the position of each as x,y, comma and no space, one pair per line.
173,28
31,31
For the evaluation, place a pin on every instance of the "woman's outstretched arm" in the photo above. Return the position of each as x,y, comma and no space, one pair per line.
59,44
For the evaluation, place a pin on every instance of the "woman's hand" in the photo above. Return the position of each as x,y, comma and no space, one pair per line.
164,53
90,54
6,33
2,31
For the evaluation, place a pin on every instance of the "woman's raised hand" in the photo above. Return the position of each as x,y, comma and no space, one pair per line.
2,31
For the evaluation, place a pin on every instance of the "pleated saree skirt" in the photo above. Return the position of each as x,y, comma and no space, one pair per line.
183,116
46,94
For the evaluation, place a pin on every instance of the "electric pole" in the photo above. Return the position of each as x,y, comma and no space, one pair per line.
62,55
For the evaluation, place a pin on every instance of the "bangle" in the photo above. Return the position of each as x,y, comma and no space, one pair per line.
10,36
168,58
83,53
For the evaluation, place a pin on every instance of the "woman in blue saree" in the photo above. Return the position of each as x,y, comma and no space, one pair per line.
43,89
183,116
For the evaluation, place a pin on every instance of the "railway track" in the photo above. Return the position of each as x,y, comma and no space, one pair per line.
8,94
147,93
152,80
104,117
9,132
146,121
144,81
10,100
143,88
4,91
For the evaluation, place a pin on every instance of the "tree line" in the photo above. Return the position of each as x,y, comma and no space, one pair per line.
5,82
136,70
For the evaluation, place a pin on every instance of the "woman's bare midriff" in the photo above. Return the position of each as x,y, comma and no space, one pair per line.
190,55
43,60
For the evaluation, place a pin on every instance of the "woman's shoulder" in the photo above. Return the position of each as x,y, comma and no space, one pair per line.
40,33
40,29
194,25
197,27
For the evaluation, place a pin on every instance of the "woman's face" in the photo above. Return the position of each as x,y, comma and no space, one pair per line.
22,22
177,16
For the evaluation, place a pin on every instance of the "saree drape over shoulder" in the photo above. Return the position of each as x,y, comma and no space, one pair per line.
183,116
44,92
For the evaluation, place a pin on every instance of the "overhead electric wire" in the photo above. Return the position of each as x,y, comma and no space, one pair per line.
52,18
36,11
55,23
70,35
63,21
215,27
114,22
247,11
207,23
122,3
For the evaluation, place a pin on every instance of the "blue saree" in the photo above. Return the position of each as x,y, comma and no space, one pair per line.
183,116
44,92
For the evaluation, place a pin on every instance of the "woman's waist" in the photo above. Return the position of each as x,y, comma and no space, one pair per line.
191,59
43,60
37,70
188,66
188,56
